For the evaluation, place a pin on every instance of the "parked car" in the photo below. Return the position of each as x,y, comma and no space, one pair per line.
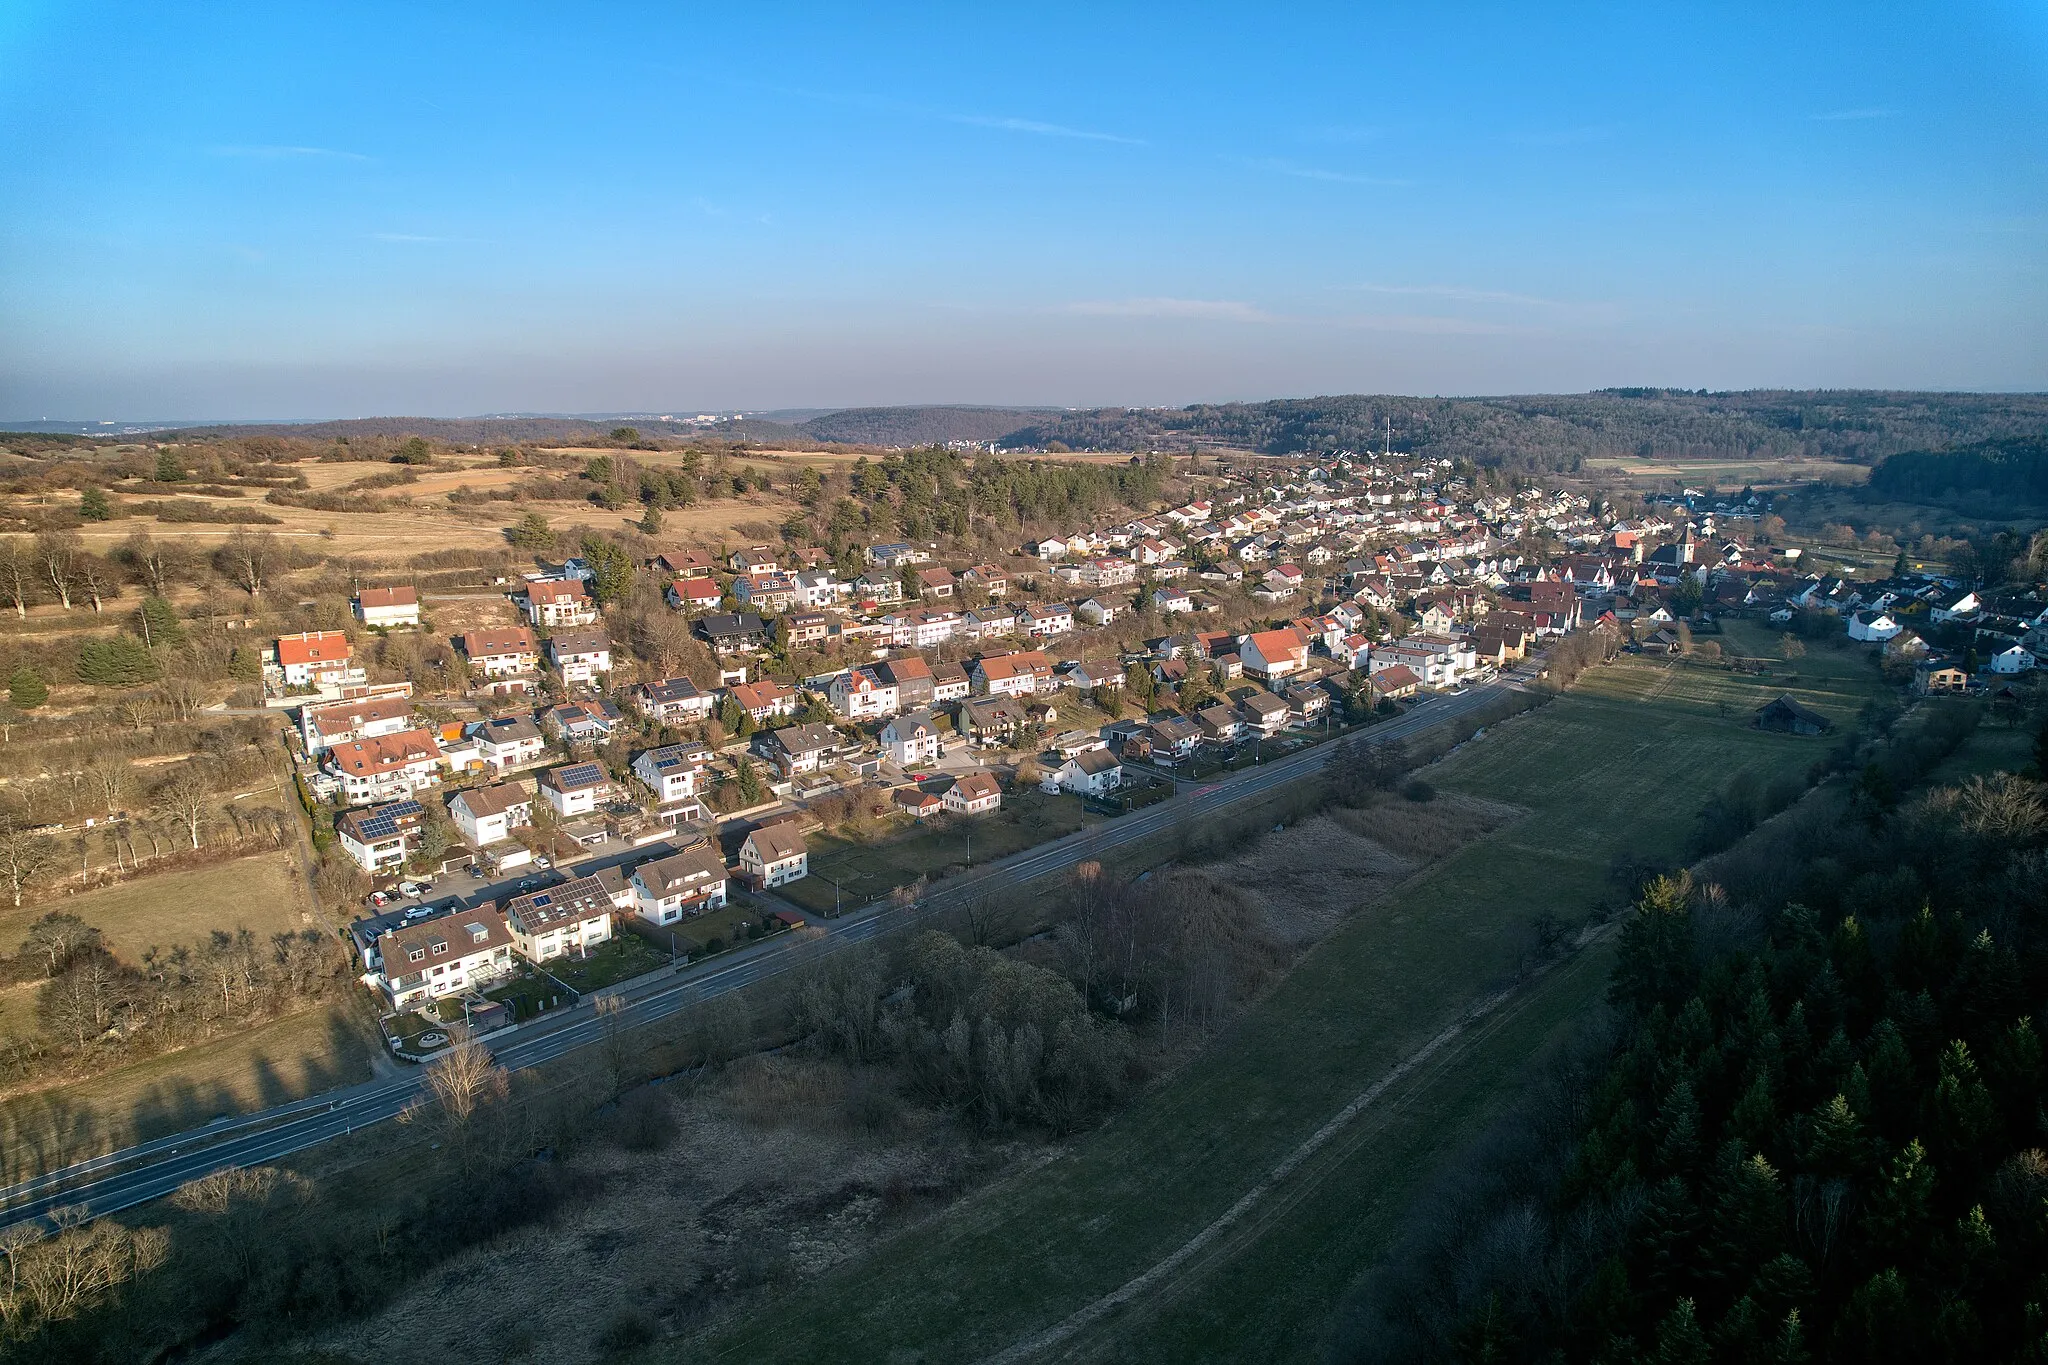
412,888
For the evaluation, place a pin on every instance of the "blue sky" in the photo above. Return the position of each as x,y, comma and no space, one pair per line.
288,210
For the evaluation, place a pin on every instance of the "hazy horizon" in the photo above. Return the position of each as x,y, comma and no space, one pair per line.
388,211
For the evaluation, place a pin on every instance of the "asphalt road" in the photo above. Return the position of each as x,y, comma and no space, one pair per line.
138,1174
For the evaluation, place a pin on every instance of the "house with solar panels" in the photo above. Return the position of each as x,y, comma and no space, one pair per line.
575,788
382,837
687,882
508,742
571,918
420,963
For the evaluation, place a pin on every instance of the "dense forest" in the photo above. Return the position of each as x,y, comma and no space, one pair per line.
922,426
1815,1131
1560,432
2012,470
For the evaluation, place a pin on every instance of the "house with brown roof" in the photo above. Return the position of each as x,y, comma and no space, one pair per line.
1271,655
488,815
343,722
420,963
913,679
386,607
381,837
386,767
773,855
917,803
1021,674
687,882
976,793
991,580
694,594
318,658
555,602
764,700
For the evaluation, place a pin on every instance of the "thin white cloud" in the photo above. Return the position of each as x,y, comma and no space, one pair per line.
1427,325
1460,294
268,153
1038,129
1850,115
1212,310
1299,172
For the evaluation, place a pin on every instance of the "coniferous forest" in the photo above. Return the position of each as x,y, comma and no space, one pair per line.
1813,1128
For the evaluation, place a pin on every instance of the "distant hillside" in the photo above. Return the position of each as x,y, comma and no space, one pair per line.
2004,470
1537,432
1561,431
921,426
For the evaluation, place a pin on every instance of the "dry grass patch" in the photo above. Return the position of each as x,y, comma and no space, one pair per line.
1306,879
263,894
766,1176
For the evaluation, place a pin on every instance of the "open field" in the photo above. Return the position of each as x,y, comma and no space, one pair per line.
1993,747
1730,473
433,524
260,893
301,1054
1602,772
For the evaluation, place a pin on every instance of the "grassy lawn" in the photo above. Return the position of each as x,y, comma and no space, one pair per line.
1596,771
528,994
1991,748
613,961
1027,818
261,894
286,1059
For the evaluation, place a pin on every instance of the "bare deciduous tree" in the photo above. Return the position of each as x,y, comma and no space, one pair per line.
58,553
186,797
25,855
17,572
249,559
55,1276
464,1081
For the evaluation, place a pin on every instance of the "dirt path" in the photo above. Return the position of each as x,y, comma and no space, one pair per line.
1236,1228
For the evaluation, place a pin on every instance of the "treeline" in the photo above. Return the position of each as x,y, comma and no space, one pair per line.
1561,432
1812,1132
2013,469
94,1010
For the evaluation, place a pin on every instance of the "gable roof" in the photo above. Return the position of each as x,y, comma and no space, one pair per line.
313,646
479,644
484,802
698,863
407,596
773,843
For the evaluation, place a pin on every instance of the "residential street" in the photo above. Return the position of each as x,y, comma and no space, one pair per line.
150,1170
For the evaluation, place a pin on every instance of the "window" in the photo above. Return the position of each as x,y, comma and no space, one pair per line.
439,946
416,955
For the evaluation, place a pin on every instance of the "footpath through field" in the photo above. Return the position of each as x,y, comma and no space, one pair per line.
1063,1261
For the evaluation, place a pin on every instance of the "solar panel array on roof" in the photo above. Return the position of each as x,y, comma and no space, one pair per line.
383,822
580,775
